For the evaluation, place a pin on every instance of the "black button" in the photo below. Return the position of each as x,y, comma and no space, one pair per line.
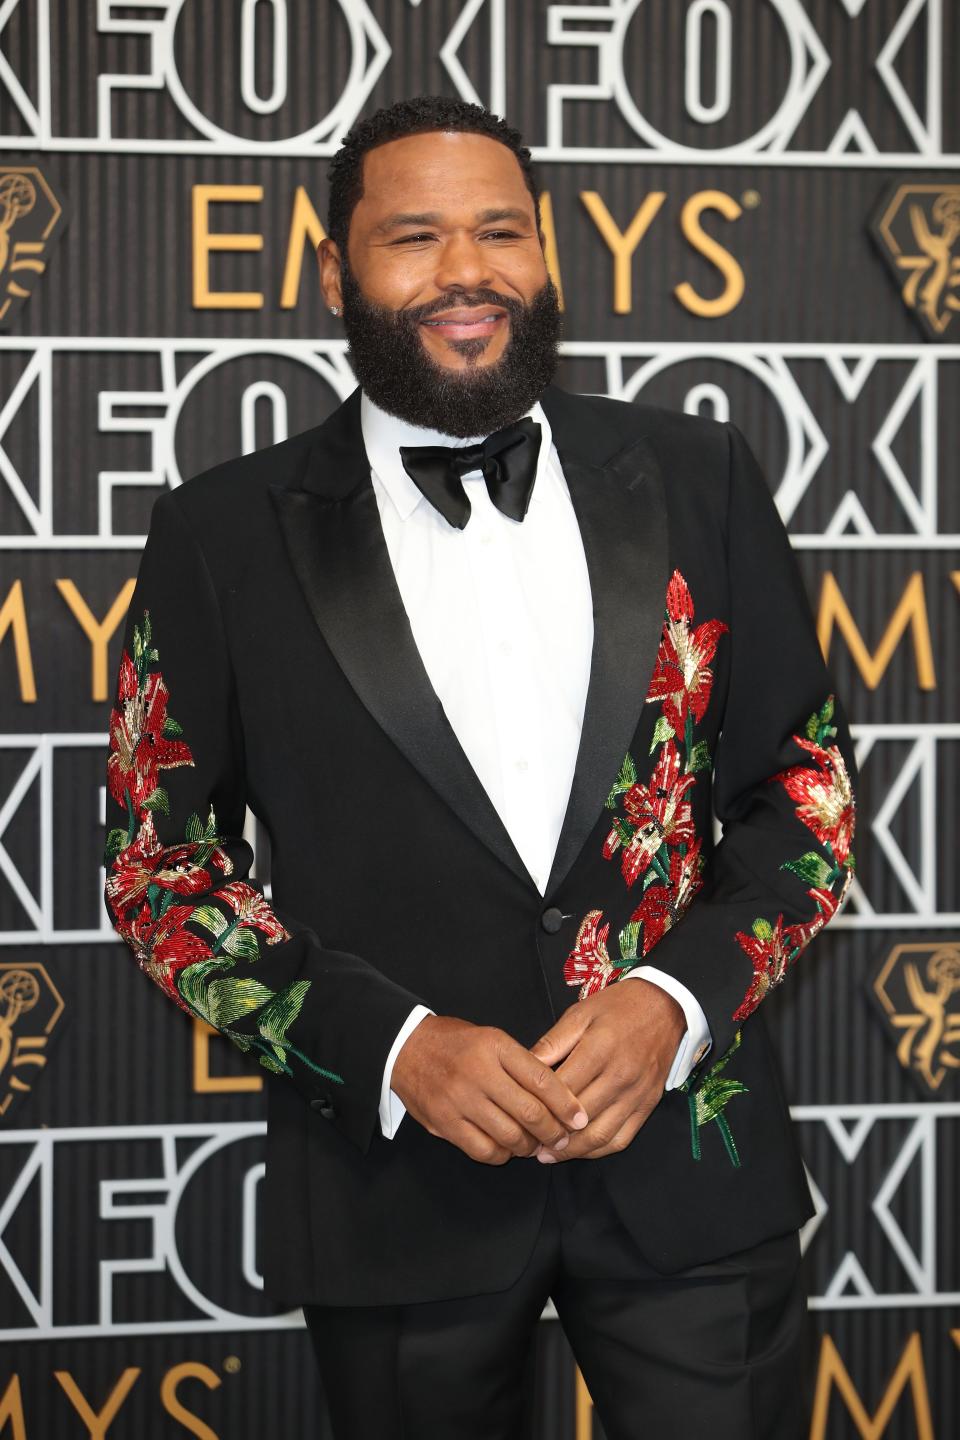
551,920
324,1107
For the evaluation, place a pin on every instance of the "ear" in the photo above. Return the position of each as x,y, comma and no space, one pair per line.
328,258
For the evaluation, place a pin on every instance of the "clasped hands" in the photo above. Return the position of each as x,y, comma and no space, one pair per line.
480,1089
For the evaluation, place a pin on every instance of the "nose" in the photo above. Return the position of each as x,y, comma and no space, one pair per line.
462,265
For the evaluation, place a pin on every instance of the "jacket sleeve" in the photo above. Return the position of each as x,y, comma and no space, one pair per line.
177,865
782,786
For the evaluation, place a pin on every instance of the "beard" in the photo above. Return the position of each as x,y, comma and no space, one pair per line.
394,368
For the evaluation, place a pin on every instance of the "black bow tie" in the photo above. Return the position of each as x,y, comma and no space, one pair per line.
507,458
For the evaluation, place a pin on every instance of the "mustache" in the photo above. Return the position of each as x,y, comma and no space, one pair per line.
417,313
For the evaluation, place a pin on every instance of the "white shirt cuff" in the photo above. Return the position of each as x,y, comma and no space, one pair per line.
392,1109
697,1041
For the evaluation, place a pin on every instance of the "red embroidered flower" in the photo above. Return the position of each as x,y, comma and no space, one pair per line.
663,905
253,910
139,750
146,862
823,797
163,947
588,964
682,678
656,813
770,948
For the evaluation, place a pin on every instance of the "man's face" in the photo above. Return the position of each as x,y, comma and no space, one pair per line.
451,316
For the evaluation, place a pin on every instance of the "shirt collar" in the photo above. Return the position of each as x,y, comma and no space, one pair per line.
383,435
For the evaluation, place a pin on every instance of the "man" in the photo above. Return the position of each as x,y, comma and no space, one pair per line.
481,655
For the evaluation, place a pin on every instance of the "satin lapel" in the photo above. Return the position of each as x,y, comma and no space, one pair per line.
622,514
338,552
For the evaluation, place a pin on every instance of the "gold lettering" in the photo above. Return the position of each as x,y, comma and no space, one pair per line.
622,244
909,1370
11,1410
711,250
168,1395
911,611
98,1425
304,225
206,1084
98,632
206,242
548,236
13,616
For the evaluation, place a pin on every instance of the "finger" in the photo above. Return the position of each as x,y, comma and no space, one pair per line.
586,1064
503,1128
526,1111
476,1143
560,1039
541,1082
600,1133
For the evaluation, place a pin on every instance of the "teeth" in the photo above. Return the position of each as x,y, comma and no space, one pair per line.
487,320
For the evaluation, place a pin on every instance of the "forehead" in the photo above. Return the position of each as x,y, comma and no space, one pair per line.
440,170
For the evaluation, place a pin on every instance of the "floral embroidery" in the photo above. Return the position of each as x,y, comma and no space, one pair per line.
823,800
653,830
588,964
682,678
156,892
708,1102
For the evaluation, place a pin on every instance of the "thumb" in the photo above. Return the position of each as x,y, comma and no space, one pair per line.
560,1039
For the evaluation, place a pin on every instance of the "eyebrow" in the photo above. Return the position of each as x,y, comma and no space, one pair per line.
433,217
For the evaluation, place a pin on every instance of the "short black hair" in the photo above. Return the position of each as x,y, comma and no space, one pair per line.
418,116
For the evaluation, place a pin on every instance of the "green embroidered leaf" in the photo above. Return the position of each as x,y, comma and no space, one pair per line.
171,729
699,758
762,929
243,944
210,918
158,800
714,1096
811,868
662,731
629,936
116,841
650,877
626,778
242,1042
194,829
194,980
269,1063
275,1020
232,998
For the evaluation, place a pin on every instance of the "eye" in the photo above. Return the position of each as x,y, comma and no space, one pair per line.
411,239
499,235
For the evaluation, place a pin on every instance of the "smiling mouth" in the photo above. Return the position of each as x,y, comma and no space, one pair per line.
465,326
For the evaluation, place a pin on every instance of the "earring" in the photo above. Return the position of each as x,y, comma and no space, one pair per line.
334,309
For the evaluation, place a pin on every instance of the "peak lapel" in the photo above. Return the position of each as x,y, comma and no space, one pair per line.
334,539
621,510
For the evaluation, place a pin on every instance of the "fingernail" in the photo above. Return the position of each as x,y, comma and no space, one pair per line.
546,1158
562,1143
580,1119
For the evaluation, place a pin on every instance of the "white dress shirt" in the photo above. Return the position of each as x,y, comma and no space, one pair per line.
502,615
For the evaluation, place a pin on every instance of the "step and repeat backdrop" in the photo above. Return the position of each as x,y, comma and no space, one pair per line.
752,208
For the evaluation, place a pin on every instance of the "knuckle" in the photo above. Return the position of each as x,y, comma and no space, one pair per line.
532,1114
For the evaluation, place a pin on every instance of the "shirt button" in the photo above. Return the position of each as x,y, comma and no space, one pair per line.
505,647
522,766
552,920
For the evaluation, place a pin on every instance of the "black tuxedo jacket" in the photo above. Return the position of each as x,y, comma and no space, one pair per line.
269,662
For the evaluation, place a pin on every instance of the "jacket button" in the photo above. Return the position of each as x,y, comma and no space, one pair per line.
551,920
324,1107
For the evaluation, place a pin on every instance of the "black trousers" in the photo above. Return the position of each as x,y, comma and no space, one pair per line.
715,1351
